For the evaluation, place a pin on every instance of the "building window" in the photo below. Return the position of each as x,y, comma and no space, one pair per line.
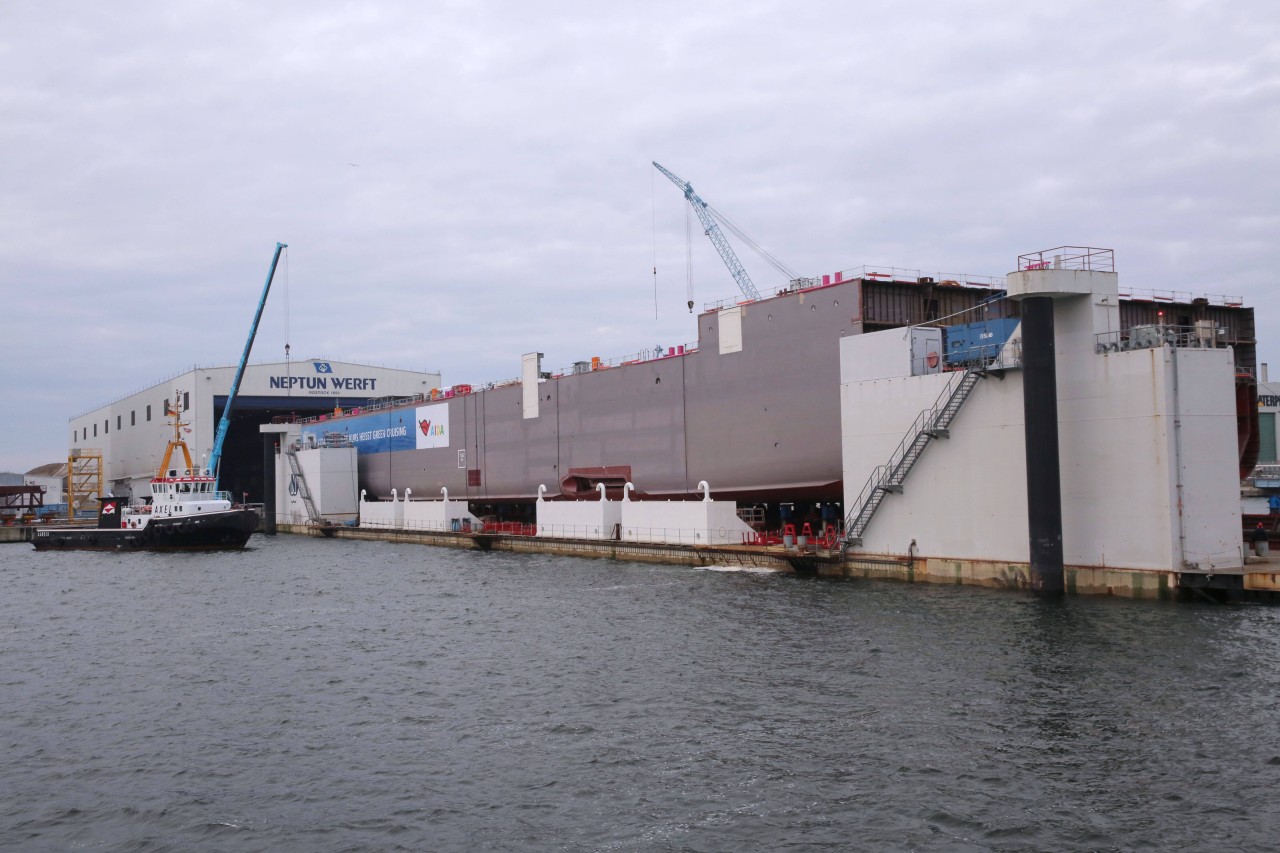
95,430
106,426
133,417
119,420
186,400
148,411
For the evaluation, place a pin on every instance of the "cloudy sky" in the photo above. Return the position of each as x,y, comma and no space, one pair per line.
462,182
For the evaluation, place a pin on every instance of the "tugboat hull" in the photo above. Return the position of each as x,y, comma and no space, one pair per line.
214,531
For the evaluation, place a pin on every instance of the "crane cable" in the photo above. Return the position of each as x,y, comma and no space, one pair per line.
752,244
653,204
688,255
288,367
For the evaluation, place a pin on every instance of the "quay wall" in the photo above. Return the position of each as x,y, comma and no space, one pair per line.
1259,580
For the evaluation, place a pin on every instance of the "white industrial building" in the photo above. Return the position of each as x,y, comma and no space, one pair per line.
132,432
1147,445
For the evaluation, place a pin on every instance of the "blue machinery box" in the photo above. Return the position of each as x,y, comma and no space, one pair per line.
977,342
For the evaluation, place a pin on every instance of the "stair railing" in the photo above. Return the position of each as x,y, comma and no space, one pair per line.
890,476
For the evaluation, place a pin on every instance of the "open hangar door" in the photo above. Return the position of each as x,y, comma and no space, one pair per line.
242,462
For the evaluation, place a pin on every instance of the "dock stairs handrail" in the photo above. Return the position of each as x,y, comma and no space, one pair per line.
933,422
291,452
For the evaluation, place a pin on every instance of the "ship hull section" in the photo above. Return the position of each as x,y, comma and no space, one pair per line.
756,416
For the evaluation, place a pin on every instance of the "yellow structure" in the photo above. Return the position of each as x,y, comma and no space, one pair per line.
84,480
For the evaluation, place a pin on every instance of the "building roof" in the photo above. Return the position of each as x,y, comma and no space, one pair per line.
53,469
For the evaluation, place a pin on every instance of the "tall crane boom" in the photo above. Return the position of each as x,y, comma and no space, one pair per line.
715,234
225,423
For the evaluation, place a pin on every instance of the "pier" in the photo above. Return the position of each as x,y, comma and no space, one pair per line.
1258,581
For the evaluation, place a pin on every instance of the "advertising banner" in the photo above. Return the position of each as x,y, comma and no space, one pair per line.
432,425
376,433
380,432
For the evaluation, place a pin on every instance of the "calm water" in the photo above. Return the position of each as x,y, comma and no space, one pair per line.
324,695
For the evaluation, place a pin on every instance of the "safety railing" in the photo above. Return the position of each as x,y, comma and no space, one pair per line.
1069,258
453,525
1150,337
1180,297
867,272
787,536
597,363
1266,473
396,403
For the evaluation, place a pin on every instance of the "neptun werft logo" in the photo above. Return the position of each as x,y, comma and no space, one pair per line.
323,367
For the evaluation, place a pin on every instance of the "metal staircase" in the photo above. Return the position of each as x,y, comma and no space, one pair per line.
933,422
303,492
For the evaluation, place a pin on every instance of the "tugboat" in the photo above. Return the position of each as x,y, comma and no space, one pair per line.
185,512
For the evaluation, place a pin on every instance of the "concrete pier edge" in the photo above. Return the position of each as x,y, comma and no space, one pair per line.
1258,582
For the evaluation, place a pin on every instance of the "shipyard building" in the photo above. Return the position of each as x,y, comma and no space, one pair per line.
127,438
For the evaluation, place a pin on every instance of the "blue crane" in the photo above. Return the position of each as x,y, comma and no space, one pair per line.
713,231
225,423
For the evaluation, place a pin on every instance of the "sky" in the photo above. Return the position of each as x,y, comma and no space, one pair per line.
463,182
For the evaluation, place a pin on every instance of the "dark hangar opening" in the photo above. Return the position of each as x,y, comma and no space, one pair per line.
242,472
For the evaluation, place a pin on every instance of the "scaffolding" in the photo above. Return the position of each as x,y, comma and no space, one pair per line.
84,480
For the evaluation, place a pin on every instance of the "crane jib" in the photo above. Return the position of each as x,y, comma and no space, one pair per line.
215,456
714,233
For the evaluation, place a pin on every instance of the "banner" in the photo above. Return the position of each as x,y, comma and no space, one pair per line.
376,433
432,425
380,432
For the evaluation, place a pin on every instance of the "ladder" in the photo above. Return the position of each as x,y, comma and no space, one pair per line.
303,492
933,422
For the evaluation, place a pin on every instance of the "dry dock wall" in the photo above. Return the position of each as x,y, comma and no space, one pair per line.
1147,442
1260,581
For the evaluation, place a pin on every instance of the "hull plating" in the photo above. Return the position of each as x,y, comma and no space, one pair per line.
760,422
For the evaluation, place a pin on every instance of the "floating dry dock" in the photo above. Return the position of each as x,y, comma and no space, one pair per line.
1073,453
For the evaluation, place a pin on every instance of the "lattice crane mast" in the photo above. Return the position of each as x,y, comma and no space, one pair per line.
714,233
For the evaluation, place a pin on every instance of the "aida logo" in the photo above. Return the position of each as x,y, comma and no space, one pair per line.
433,425
323,367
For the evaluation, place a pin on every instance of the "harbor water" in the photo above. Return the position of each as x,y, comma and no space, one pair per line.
315,695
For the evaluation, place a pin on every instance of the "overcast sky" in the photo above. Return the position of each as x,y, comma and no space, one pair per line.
462,182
